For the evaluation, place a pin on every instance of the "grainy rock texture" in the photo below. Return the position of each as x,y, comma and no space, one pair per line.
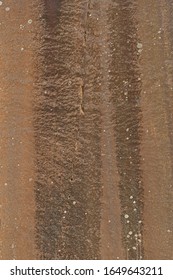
86,101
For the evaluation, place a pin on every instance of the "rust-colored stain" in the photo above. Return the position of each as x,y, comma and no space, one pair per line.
86,129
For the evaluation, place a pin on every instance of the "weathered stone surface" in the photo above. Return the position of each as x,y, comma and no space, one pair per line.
86,101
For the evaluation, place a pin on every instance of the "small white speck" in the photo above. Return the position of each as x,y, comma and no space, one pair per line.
128,236
74,202
29,21
109,221
140,222
22,49
134,248
168,230
139,45
126,216
1,3
135,209
134,202
128,221
21,26
65,212
127,129
5,184
130,232
7,9
131,197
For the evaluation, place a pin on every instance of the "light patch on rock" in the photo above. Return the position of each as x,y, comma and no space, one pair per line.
29,21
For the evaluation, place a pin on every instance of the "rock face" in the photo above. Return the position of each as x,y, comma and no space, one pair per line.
86,101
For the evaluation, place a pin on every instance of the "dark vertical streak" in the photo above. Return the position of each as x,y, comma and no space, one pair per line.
67,143
125,87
